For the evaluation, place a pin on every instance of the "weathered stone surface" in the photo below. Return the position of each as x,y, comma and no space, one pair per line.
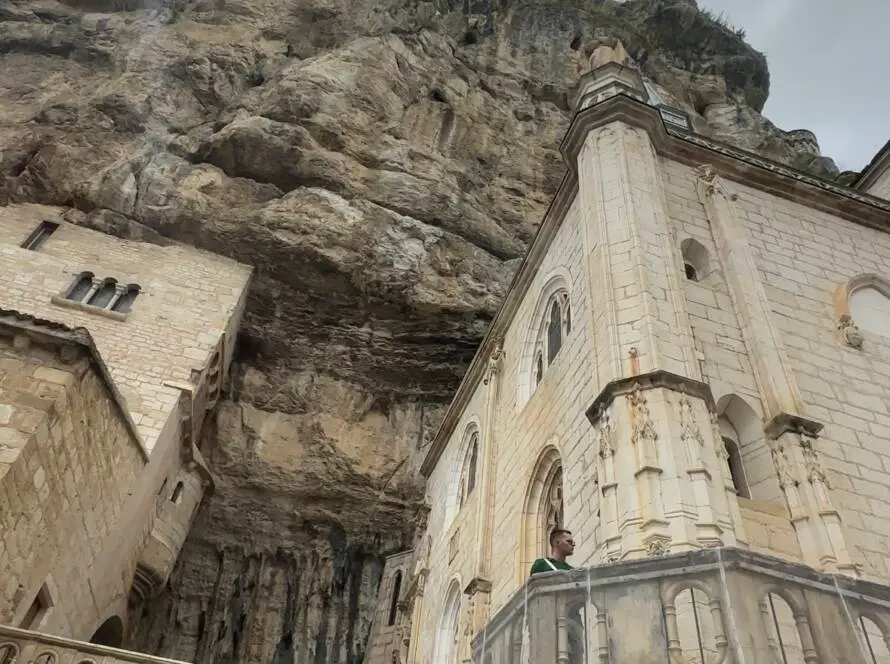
384,165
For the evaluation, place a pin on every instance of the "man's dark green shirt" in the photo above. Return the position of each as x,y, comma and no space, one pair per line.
541,565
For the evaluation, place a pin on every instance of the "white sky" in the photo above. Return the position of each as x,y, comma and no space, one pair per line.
828,63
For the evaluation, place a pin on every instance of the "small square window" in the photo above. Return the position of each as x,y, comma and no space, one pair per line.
40,235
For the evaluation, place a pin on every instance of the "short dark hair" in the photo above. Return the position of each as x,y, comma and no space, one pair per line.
556,532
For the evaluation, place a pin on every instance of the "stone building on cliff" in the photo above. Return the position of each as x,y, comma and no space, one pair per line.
111,354
690,371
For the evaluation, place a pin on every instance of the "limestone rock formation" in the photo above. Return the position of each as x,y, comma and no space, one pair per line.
384,164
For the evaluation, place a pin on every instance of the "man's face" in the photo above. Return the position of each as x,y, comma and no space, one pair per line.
565,544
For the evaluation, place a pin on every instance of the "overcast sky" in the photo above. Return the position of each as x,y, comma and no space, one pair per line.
828,69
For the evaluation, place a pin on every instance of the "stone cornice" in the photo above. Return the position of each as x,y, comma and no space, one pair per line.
787,423
59,336
684,147
648,381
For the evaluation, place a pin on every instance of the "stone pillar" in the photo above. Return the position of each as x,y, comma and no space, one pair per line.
632,259
660,474
793,449
481,582
416,615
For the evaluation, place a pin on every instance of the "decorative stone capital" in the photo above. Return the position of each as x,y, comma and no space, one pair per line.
849,332
711,184
659,545
788,423
495,361
649,381
477,585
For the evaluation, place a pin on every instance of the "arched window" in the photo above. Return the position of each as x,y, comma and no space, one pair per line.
781,630
544,508
554,332
870,309
81,288
7,653
468,471
394,602
125,302
103,297
736,469
695,259
877,646
45,658
553,507
448,634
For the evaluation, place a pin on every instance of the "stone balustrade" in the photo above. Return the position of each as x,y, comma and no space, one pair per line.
715,606
19,646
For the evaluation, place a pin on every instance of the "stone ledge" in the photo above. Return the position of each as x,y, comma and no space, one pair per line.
60,301
649,381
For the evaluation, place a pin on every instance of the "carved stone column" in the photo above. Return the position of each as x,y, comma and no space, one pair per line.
660,477
807,491
793,449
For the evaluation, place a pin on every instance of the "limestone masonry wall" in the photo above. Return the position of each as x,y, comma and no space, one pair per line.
881,186
68,465
187,300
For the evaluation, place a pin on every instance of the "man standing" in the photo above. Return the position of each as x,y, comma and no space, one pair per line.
561,547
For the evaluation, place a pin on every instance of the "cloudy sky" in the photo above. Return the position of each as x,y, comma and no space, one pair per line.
827,62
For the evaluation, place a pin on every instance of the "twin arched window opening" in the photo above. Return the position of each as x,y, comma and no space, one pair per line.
103,293
557,326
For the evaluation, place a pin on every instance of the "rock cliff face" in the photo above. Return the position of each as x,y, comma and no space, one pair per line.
384,164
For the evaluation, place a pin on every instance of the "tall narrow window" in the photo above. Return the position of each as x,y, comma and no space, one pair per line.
567,308
468,469
81,288
40,235
394,602
177,493
539,367
736,469
102,297
554,508
125,301
554,332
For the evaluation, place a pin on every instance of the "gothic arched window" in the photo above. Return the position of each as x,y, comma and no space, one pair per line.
468,471
554,332
394,603
553,507
553,327
81,288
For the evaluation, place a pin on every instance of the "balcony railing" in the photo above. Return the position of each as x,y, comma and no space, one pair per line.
716,606
19,646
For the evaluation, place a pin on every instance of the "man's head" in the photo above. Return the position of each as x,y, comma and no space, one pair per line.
561,543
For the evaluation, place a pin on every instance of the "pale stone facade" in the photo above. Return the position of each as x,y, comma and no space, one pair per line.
103,392
720,381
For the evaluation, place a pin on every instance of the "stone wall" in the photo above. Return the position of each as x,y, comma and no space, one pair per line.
69,469
188,299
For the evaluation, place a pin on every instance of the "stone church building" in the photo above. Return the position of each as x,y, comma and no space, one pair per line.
111,354
691,372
